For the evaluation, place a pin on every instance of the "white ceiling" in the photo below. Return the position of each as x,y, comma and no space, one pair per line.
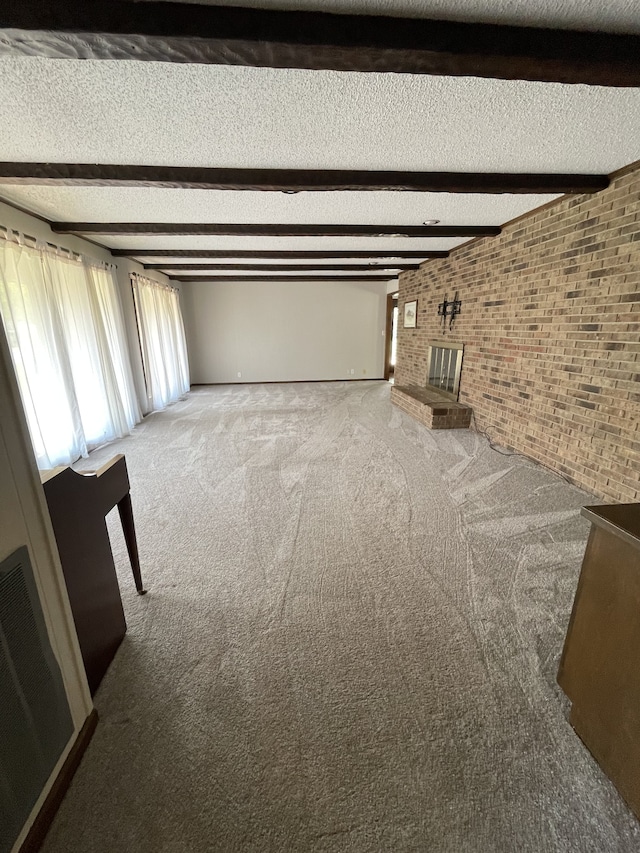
149,113
388,271
83,204
609,16
169,262
152,113
397,245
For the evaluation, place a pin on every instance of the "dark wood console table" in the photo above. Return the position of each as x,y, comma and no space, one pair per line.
600,666
78,504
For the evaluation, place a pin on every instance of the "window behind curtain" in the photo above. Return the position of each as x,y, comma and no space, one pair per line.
64,323
162,341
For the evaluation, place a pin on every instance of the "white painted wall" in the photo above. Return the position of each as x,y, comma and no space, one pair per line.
284,331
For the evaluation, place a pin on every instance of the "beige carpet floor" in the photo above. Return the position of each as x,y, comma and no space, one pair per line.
350,641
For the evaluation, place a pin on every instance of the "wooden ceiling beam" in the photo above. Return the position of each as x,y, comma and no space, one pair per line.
285,267
226,35
268,230
293,180
274,253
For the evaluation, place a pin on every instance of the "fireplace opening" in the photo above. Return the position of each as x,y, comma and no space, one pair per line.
444,367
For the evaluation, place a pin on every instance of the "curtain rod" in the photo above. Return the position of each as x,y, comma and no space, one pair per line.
154,282
8,231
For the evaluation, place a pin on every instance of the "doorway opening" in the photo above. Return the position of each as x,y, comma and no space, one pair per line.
391,337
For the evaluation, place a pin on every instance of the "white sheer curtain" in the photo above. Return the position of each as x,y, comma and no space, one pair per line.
63,319
164,348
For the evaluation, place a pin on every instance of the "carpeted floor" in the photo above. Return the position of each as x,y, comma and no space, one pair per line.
349,643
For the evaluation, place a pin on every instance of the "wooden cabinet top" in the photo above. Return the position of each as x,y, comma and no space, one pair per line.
621,520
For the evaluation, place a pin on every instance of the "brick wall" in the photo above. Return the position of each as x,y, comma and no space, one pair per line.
550,322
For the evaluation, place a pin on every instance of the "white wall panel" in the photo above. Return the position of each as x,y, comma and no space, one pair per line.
284,331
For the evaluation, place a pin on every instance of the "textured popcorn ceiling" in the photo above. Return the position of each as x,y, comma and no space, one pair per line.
387,271
612,15
222,116
204,115
396,245
169,262
181,205
277,263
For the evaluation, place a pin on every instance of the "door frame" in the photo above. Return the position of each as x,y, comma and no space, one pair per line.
392,302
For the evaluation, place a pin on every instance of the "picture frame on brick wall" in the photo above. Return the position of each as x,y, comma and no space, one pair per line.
410,314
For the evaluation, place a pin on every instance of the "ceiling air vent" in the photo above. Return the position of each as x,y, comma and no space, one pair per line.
35,720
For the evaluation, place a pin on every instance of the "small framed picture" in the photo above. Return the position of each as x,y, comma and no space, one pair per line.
410,314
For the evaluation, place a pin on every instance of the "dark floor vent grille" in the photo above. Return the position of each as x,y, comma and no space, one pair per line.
35,720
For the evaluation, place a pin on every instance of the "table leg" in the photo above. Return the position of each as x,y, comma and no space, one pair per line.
128,528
